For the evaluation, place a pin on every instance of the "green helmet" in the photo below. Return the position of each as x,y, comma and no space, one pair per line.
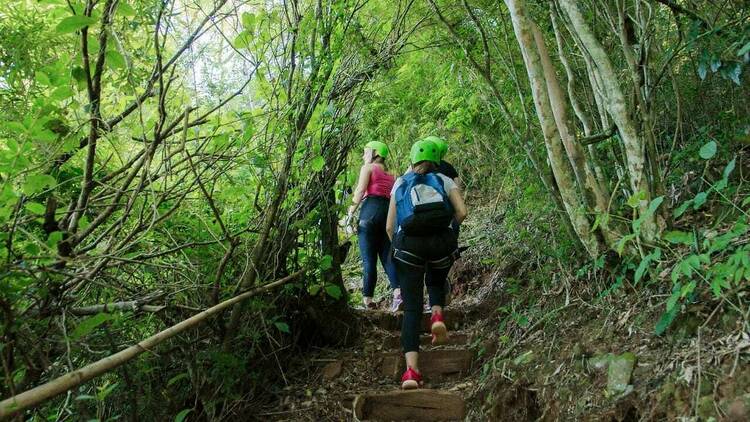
441,144
424,150
380,148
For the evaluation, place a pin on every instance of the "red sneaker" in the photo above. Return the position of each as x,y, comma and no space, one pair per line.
438,329
411,379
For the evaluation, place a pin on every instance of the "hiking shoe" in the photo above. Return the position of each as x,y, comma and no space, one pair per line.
438,329
411,380
398,303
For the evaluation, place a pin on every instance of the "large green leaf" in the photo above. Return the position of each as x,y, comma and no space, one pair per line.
37,183
182,415
115,59
666,320
89,324
318,163
74,23
708,150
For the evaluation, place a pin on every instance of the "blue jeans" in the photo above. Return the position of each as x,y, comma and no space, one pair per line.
374,243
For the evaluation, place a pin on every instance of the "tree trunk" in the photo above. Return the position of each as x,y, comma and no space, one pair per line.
563,173
583,116
596,197
618,108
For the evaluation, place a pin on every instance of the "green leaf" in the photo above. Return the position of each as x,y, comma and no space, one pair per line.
248,21
54,238
643,266
115,59
744,50
74,23
326,262
178,378
620,246
636,198
318,163
732,72
35,208
42,78
666,320
243,40
682,208
37,183
708,150
672,301
182,415
334,291
61,93
678,237
125,9
699,200
729,168
89,324
702,70
654,205
282,326
715,64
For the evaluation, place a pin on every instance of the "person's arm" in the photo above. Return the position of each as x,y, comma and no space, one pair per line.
459,207
390,222
359,192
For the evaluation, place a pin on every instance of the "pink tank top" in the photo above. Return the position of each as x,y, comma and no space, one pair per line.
380,184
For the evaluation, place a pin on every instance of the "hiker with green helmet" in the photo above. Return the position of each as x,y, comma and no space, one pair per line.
444,167
423,204
373,192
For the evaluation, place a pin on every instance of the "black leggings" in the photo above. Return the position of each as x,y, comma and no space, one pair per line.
412,280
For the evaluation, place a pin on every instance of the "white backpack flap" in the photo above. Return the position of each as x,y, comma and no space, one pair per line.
425,197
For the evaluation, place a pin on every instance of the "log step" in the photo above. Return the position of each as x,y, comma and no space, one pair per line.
435,365
416,405
392,322
454,339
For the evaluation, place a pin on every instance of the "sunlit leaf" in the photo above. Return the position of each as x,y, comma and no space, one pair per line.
37,183
74,23
318,163
708,150
35,208
115,59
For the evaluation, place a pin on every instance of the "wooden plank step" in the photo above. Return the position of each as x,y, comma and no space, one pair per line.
415,405
435,365
392,322
454,339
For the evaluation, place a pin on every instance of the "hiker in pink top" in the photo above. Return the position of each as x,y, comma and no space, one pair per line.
373,193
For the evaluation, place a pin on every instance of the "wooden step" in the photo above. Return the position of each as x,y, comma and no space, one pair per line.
435,365
454,339
389,321
415,405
